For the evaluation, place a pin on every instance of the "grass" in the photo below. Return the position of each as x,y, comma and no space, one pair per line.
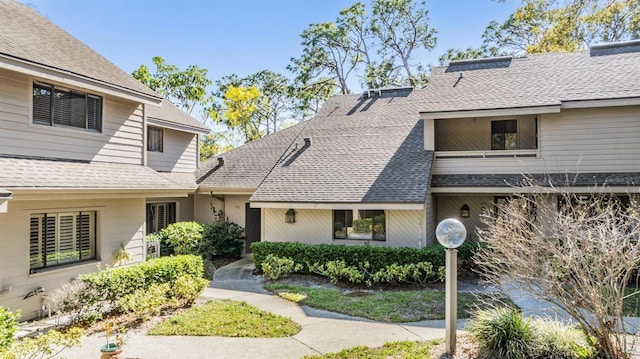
228,319
405,349
631,305
386,306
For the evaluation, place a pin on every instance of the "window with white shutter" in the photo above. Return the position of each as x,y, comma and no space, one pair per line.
61,238
160,215
56,106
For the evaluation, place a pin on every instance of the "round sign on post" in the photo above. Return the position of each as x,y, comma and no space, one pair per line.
451,233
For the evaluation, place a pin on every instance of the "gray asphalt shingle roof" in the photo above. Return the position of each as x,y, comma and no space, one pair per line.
246,166
45,173
28,36
172,114
535,80
552,179
362,150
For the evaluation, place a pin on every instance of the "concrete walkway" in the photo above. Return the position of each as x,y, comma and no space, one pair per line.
321,333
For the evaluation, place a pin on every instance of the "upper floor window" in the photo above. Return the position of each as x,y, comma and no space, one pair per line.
359,224
154,138
61,238
504,135
55,106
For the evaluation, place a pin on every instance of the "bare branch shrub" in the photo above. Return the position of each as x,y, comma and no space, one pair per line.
577,252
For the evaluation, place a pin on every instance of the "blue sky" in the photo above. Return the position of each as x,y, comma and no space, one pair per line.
237,36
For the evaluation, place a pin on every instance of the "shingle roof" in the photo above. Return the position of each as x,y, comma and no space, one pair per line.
246,166
362,150
43,173
555,179
536,80
28,36
184,179
172,115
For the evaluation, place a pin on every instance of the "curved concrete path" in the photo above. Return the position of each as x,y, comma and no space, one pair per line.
321,332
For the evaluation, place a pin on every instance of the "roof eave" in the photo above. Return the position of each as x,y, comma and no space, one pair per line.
67,77
416,206
177,126
602,102
509,111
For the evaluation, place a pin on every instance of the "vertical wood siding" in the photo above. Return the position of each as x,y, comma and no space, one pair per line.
312,226
119,142
117,221
178,155
474,134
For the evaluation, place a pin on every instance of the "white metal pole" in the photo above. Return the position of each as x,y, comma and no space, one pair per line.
451,305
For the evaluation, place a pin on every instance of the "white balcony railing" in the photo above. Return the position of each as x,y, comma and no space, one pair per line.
486,154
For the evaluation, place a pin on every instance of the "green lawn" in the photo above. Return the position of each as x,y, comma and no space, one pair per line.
228,319
631,305
386,306
407,350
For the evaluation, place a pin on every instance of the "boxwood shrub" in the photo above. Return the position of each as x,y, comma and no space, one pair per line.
113,283
378,257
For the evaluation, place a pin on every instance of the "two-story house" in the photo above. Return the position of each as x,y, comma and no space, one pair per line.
385,167
80,172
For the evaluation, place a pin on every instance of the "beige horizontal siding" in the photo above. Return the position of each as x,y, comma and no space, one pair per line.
313,226
118,220
179,153
577,140
120,141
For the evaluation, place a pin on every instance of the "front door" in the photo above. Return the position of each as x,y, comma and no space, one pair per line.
252,225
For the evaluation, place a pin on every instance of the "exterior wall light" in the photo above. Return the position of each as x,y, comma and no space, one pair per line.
290,216
464,211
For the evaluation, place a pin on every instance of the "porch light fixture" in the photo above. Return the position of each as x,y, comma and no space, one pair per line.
464,211
290,216
451,233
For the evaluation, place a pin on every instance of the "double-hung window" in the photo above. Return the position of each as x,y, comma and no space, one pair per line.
504,135
61,238
359,224
57,106
154,139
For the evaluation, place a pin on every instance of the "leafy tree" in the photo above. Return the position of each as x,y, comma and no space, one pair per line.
556,25
186,88
378,46
402,26
212,144
240,107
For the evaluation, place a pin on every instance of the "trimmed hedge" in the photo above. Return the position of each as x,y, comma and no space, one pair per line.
114,283
378,257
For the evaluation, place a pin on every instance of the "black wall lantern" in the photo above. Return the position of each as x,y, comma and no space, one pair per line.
290,216
464,211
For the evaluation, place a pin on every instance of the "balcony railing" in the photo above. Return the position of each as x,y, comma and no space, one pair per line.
486,154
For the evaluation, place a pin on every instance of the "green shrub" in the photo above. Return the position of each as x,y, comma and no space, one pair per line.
339,270
46,345
275,268
8,326
145,303
222,238
560,341
184,237
503,333
420,273
186,289
114,283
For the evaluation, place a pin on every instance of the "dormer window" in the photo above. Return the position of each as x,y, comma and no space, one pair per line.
56,106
